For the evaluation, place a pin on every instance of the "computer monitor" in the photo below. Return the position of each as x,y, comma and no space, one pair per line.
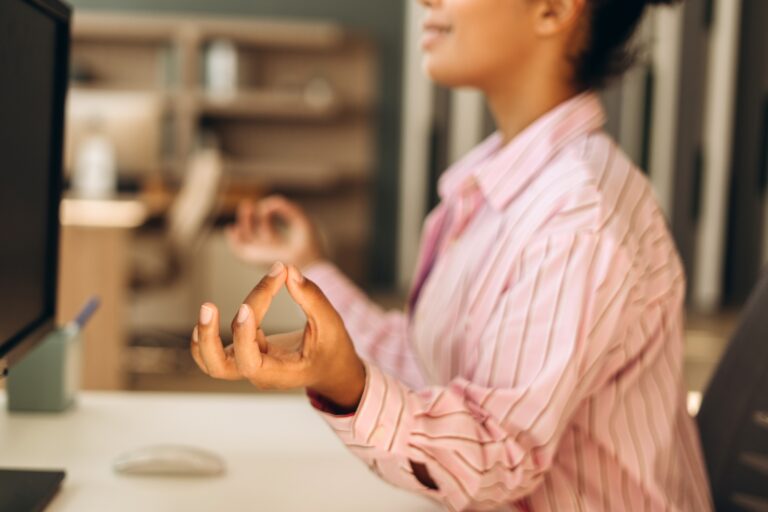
34,55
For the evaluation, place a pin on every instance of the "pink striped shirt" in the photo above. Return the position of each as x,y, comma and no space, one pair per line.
540,365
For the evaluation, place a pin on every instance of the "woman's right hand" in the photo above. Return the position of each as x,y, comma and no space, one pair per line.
274,229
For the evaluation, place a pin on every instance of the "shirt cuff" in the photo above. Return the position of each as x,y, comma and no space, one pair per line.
380,420
378,432
322,404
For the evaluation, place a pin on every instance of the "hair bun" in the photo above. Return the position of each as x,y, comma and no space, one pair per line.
607,53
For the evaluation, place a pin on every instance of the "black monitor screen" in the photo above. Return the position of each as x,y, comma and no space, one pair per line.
29,154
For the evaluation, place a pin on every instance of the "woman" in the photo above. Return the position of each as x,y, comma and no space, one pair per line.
539,364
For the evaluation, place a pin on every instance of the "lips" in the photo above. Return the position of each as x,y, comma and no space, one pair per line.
433,32
436,27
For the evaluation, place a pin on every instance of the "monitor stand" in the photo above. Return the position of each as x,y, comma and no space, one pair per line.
26,490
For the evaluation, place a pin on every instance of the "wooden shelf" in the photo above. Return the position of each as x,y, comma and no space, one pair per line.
267,104
167,98
290,175
289,35
102,213
165,28
158,196
118,27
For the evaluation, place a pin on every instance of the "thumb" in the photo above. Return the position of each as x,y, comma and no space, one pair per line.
310,298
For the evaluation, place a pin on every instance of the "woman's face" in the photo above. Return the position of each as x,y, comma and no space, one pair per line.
475,42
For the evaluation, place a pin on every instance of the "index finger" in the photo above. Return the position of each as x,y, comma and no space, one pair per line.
211,348
309,297
246,347
262,294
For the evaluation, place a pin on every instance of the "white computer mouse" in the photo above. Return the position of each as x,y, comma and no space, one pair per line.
169,460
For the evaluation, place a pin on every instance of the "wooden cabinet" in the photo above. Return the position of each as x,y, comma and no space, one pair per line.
300,120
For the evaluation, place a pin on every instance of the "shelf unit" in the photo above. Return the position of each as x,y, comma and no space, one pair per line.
301,121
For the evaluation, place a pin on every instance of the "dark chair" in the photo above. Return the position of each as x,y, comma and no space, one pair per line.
733,418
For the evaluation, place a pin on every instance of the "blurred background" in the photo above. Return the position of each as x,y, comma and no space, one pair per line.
179,109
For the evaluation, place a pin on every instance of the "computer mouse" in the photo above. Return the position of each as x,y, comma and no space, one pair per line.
170,460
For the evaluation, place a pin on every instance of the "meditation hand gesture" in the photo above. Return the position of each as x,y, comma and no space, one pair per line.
325,362
274,229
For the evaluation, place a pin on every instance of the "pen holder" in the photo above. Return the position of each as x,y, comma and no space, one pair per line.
47,379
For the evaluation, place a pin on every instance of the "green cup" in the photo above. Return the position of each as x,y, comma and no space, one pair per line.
47,379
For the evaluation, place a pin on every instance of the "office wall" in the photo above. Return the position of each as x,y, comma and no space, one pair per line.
384,22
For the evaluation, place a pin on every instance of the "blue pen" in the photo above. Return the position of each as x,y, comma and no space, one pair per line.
77,324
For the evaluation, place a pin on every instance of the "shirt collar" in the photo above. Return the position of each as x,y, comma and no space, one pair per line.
502,172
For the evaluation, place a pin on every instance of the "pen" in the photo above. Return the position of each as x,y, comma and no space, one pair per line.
85,314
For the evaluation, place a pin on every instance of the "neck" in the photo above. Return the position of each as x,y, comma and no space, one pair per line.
516,103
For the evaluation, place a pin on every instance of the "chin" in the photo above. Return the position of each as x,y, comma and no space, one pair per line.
445,72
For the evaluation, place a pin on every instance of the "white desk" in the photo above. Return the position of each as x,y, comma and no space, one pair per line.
280,455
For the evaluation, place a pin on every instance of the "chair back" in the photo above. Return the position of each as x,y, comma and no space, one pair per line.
733,419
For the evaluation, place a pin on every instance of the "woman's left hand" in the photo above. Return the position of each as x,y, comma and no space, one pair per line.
325,363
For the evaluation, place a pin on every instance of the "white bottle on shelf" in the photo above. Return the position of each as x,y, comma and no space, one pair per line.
95,173
221,73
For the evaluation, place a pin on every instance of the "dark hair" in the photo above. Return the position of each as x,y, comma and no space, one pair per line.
610,25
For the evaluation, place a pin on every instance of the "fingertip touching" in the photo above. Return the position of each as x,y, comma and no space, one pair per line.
276,269
207,311
243,313
295,275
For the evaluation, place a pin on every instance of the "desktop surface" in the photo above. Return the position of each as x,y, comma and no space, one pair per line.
280,455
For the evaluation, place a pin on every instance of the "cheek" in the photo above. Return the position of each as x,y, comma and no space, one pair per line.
487,40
